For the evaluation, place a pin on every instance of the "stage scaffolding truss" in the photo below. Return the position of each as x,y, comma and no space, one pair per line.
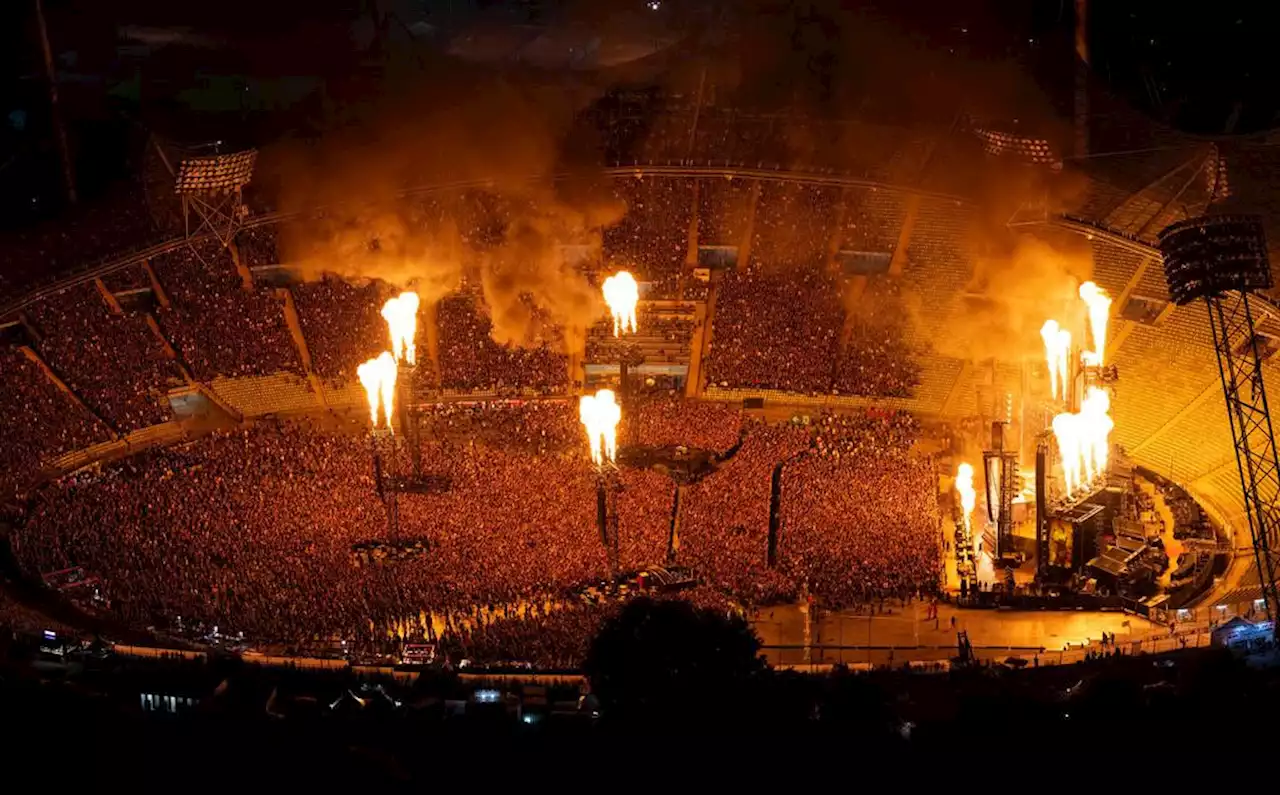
1222,260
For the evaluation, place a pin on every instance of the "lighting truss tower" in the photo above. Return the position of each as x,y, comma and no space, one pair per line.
1222,260
210,189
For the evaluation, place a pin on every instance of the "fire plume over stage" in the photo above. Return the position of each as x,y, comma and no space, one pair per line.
1083,436
401,314
378,377
622,294
600,415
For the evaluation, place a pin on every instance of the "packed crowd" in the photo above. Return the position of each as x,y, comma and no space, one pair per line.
551,636
877,358
776,328
859,516
113,362
257,246
93,232
724,522
646,501
254,530
876,362
669,422
780,328
535,426
873,431
471,359
40,422
220,328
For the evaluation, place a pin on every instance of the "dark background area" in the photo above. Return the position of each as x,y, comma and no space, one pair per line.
250,73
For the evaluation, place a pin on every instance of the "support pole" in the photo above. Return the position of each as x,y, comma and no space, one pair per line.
55,110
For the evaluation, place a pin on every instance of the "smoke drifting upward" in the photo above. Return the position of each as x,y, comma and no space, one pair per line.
377,242
525,276
504,235
1010,297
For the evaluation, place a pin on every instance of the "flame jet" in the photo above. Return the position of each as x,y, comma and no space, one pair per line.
378,377
600,415
1057,354
622,294
401,314
1099,304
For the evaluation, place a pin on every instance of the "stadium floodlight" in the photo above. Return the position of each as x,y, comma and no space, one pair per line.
1206,257
216,174
210,188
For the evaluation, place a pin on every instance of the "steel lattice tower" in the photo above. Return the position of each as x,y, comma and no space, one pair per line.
1222,260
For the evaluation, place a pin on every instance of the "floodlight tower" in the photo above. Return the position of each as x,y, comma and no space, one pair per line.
1222,260
210,189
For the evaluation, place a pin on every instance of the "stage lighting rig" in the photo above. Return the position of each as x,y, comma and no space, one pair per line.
1222,260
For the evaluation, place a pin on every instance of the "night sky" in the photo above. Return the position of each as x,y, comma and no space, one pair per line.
1202,68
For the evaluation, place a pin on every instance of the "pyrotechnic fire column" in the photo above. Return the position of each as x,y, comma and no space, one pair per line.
1223,260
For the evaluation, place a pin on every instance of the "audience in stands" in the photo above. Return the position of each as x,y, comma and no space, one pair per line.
652,239
775,328
343,325
40,422
471,360
219,327
115,363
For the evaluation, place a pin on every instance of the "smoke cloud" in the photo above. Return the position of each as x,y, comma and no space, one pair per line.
501,234
1010,296
442,122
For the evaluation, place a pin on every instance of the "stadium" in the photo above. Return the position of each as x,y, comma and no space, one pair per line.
161,378
866,378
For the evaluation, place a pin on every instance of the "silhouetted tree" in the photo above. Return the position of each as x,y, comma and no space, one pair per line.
670,662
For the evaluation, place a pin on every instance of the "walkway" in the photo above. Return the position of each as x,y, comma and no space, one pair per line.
905,635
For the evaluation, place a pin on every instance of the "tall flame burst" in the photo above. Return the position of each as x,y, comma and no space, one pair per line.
622,293
1084,439
1057,355
1099,304
600,415
401,314
964,485
378,377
